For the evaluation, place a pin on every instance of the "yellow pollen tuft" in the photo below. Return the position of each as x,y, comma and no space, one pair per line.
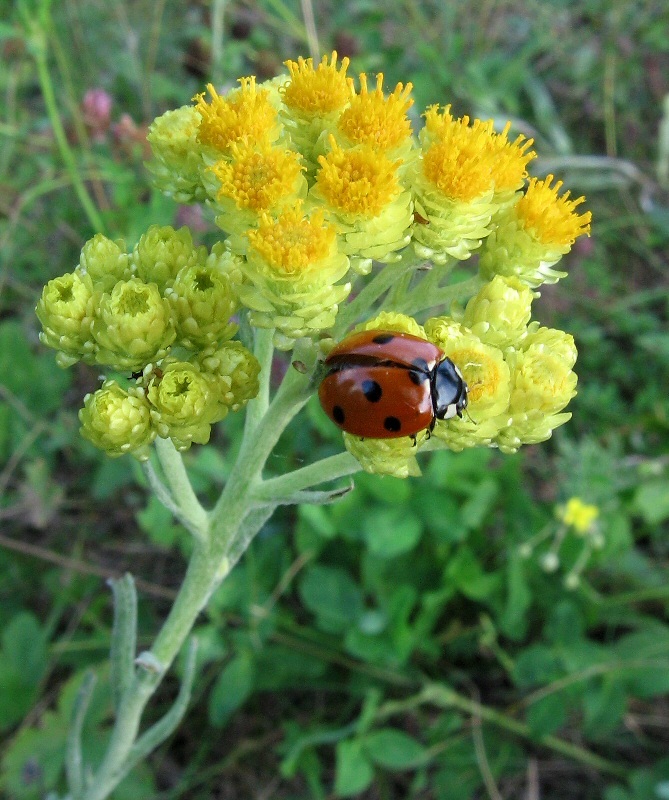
245,113
436,121
510,167
481,373
317,91
293,243
552,219
374,119
360,180
578,515
257,177
460,162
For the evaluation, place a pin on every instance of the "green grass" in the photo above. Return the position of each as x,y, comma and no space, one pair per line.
437,663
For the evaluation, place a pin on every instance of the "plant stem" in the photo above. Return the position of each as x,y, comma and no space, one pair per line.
40,51
323,471
445,697
190,511
384,279
220,538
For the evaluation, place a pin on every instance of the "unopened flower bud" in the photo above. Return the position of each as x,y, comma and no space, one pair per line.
117,421
500,312
66,310
105,262
133,326
162,252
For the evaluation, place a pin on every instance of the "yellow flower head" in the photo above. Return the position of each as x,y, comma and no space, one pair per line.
376,120
551,218
258,177
293,244
246,113
461,159
317,91
509,169
359,180
578,515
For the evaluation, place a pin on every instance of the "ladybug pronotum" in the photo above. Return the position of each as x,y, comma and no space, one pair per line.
386,384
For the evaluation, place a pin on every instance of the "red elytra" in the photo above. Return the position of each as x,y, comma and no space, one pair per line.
386,384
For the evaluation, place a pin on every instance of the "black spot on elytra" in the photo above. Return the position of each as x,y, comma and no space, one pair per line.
383,338
372,391
392,424
338,415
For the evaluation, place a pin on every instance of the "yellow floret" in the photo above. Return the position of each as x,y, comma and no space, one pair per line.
376,120
460,162
360,180
552,219
319,90
509,168
246,112
258,176
293,243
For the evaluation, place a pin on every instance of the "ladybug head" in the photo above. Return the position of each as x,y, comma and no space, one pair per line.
449,391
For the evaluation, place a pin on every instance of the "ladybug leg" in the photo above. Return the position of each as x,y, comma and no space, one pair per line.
414,441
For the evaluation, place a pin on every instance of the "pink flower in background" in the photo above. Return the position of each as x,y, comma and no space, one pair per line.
96,107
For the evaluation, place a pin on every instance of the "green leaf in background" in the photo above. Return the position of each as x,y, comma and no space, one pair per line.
651,501
232,688
390,532
332,595
353,772
23,662
394,749
518,599
547,714
465,571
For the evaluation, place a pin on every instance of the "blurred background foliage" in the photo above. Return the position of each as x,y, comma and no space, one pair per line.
416,639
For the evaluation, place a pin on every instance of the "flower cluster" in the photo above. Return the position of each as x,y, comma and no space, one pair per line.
313,178
161,318
519,377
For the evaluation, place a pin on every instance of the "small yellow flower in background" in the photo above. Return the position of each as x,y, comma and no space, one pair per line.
379,121
581,518
245,113
292,267
533,234
254,179
578,515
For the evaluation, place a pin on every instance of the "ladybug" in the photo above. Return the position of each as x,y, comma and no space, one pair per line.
386,384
